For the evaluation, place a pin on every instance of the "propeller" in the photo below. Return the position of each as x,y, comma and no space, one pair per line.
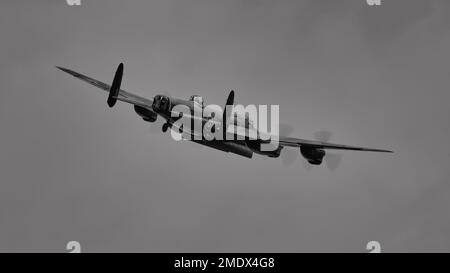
324,136
289,156
151,127
332,160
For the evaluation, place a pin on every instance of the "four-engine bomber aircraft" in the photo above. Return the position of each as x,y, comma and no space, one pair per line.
162,105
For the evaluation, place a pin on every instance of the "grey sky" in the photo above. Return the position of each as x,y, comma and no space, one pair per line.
73,169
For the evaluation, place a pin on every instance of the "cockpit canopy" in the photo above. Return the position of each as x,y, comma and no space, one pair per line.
198,99
241,121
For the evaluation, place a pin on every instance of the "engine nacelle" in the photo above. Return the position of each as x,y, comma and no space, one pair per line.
312,155
145,114
255,146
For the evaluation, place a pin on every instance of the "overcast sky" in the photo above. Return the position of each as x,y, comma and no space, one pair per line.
73,169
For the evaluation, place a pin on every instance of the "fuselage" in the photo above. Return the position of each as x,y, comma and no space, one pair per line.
232,142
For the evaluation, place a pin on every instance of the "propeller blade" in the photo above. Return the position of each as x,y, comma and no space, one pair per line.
285,129
333,161
324,136
288,155
307,166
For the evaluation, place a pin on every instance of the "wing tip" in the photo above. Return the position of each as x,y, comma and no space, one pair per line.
379,150
68,71
60,67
